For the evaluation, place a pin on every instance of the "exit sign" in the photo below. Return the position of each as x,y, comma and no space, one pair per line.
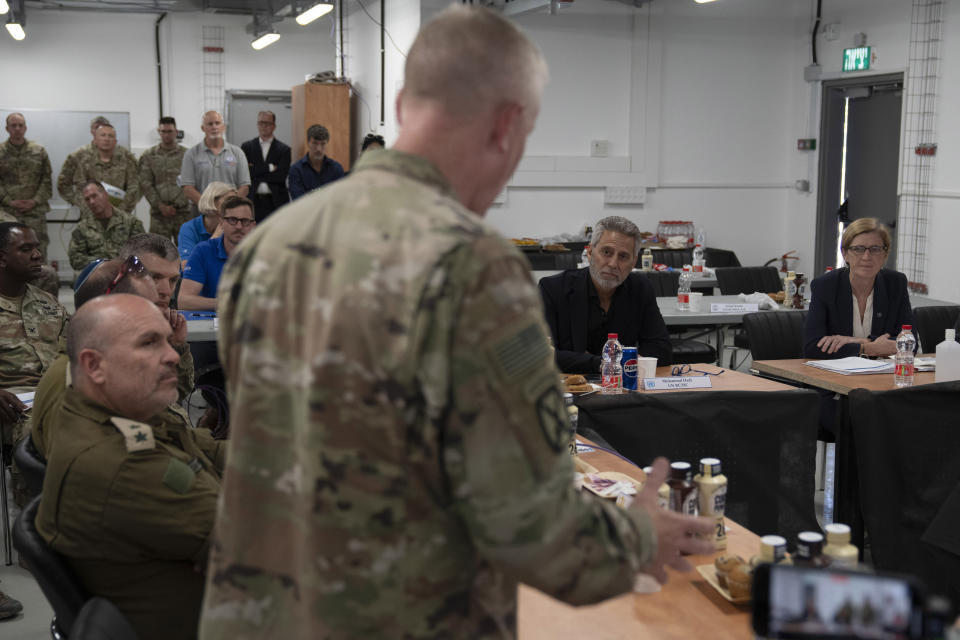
857,59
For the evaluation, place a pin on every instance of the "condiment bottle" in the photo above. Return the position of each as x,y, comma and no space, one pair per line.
683,493
799,290
712,490
842,554
773,550
646,260
810,550
789,289
663,492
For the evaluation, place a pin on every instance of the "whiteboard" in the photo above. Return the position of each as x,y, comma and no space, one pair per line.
60,132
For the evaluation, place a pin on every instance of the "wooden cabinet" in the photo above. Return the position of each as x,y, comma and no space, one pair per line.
329,105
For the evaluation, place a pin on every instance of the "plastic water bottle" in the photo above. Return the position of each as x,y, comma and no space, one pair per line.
698,260
683,293
701,237
611,371
903,370
948,358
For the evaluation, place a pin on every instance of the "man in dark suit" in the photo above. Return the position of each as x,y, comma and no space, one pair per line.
269,161
583,305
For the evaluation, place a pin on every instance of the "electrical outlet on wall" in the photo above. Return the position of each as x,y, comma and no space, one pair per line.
599,148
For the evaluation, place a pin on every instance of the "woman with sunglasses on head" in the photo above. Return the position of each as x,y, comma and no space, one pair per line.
859,309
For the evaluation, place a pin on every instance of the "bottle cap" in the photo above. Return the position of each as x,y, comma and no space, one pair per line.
567,399
809,544
709,466
680,470
950,334
611,336
773,548
907,327
686,267
837,533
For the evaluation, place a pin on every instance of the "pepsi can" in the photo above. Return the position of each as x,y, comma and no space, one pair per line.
629,364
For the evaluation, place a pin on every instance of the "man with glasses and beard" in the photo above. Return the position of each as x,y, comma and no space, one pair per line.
583,305
198,291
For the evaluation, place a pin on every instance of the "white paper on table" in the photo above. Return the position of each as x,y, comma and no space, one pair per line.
733,307
853,365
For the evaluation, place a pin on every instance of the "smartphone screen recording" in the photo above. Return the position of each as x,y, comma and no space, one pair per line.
794,602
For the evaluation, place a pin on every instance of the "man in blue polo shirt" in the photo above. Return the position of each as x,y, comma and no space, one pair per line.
198,289
315,169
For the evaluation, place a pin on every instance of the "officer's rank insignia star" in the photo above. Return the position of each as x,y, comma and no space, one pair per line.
140,437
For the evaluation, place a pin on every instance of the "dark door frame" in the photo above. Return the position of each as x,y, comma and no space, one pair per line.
827,198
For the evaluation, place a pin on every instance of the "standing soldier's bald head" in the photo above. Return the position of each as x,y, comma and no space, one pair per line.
469,60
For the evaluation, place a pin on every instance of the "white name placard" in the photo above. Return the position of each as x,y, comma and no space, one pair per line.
680,382
736,307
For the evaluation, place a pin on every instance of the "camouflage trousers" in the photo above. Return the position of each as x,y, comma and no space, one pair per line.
169,227
12,435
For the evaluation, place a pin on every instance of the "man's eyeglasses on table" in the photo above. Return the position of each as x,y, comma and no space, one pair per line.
684,369
132,267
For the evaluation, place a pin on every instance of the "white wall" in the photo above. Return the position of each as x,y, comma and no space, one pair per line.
106,61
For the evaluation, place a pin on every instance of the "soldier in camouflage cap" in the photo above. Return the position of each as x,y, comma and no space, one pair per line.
398,443
101,233
130,490
25,180
159,170
115,170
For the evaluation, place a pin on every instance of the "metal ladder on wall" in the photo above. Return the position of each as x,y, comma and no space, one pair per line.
919,133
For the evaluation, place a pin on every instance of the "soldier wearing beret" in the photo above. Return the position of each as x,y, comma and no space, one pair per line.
399,461
159,173
130,491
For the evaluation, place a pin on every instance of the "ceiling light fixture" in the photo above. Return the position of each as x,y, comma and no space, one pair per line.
264,33
16,31
4,7
306,17
265,40
704,1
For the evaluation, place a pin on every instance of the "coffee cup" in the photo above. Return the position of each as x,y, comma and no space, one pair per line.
646,367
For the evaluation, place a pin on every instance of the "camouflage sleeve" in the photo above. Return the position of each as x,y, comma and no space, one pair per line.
132,184
136,226
65,180
185,374
45,188
506,444
146,177
79,250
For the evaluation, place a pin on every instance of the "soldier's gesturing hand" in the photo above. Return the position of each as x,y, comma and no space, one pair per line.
676,533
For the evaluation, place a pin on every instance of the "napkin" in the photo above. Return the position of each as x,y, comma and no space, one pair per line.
762,300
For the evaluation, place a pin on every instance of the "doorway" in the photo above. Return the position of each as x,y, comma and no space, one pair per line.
242,110
859,160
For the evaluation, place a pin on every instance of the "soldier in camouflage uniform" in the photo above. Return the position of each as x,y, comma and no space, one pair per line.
130,491
398,458
110,167
102,232
65,186
159,170
25,180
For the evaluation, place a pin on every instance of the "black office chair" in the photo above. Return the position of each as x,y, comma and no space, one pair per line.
31,464
99,619
736,280
906,446
930,323
57,581
685,350
673,258
720,258
775,335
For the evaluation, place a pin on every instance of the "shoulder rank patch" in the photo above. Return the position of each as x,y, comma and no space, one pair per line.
139,436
